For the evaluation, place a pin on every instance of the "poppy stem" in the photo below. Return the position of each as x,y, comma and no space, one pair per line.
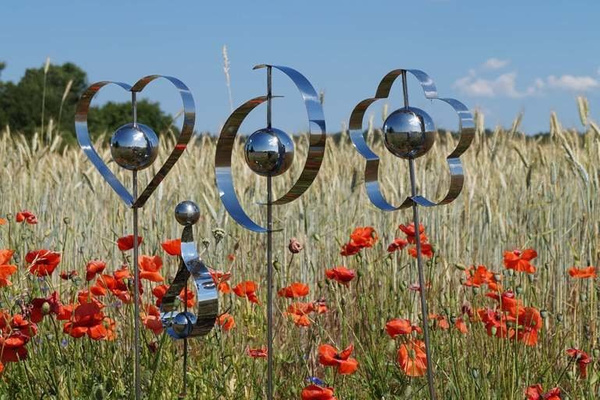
269,288
424,312
136,294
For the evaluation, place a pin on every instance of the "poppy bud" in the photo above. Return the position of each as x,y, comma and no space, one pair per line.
317,237
295,246
519,289
494,330
476,290
277,265
475,373
206,242
583,297
460,267
559,317
531,277
497,277
462,280
510,272
596,353
544,314
67,220
46,308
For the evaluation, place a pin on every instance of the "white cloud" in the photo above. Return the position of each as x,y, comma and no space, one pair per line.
495,63
503,85
575,83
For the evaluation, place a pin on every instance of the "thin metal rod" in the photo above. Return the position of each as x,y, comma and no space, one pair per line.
269,288
134,107
136,294
424,312
269,95
405,89
185,348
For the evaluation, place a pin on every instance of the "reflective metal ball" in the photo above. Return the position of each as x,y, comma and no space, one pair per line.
409,132
269,152
134,147
187,213
182,325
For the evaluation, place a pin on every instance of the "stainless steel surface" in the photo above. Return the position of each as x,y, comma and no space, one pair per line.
227,138
134,146
83,136
269,152
466,132
408,133
422,285
180,325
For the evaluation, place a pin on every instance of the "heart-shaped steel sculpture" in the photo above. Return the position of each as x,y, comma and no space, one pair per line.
466,132
83,136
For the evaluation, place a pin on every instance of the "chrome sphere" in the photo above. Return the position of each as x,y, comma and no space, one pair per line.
134,147
269,152
182,324
187,212
408,132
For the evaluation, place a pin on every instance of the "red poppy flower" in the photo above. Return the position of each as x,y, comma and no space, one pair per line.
507,300
426,250
231,257
187,294
441,321
582,359
589,272
26,327
257,353
412,358
42,262
350,249
44,306
172,247
5,272
247,289
331,357
519,260
149,266
364,237
3,221
496,323
397,244
93,268
5,256
13,347
314,392
296,289
151,319
89,320
411,234
68,275
159,292
530,323
535,392
115,283
399,326
299,313
481,276
226,322
341,274
461,326
220,279
26,216
126,242
320,306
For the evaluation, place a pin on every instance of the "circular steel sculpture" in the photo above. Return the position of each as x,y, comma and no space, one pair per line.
270,152
409,133
134,146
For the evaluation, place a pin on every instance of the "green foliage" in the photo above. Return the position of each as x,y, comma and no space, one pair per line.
112,115
53,93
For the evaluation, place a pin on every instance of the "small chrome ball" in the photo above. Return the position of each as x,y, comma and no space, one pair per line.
269,152
187,213
134,147
409,132
182,325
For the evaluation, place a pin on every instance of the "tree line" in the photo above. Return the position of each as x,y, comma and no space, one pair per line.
46,98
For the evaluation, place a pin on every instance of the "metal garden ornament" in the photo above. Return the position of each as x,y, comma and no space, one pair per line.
269,152
134,147
409,133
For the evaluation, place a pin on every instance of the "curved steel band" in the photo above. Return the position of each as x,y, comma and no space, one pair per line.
207,303
317,131
466,132
83,136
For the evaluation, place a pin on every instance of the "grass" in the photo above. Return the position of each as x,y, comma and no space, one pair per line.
519,193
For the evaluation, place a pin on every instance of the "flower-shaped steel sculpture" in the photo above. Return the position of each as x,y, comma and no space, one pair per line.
409,133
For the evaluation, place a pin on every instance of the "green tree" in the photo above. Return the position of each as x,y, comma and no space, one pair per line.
21,103
110,116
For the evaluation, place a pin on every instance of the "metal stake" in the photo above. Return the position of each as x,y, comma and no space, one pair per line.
424,312
269,254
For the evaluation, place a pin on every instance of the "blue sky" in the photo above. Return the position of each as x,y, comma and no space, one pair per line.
500,57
